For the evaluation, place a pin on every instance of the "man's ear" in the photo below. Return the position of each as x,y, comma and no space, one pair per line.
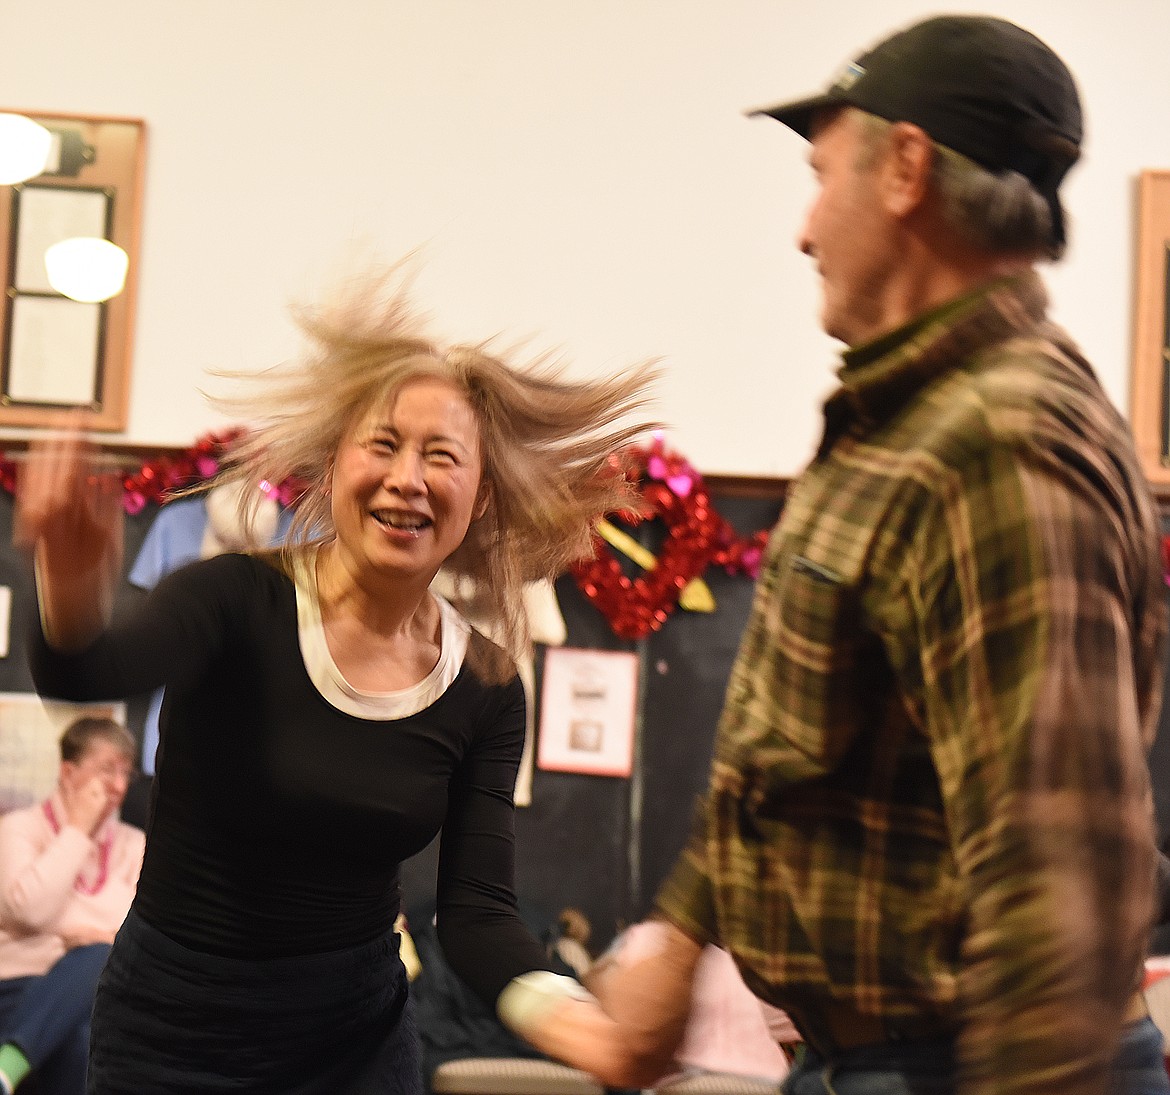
905,168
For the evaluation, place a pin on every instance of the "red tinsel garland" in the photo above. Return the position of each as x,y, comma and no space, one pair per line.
671,490
157,479
697,536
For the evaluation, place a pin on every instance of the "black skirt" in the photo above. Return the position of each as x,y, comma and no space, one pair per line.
173,1021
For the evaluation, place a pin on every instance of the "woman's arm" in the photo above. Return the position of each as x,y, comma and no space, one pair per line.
627,1034
36,879
482,935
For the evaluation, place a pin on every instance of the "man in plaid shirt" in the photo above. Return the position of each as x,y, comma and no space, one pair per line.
928,834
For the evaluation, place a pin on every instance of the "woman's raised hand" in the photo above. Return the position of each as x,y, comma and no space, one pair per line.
69,513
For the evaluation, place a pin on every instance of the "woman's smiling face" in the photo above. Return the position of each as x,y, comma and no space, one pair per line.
406,482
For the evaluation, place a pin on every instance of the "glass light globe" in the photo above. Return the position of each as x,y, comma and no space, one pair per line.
86,268
24,148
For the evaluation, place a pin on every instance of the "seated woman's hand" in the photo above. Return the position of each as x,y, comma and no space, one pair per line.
85,936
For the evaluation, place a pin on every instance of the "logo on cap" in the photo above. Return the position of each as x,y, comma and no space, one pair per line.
848,76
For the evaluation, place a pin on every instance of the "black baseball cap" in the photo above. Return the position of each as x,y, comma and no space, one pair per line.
981,86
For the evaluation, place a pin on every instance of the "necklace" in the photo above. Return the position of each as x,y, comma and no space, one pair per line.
103,855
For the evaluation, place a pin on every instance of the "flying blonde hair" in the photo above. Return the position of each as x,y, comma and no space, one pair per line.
548,443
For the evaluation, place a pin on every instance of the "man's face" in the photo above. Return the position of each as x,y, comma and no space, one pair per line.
848,232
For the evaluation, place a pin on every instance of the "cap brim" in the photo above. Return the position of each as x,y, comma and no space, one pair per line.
798,115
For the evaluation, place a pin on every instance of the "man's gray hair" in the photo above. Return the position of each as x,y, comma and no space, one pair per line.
998,213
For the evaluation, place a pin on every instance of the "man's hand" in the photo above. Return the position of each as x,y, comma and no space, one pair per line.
626,1036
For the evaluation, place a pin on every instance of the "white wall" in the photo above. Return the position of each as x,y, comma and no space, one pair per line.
578,173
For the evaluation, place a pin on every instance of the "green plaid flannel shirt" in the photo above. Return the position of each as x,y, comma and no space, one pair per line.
929,808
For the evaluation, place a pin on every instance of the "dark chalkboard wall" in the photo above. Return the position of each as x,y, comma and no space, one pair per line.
599,843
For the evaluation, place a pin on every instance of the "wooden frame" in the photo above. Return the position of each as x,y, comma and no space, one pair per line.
1150,371
57,354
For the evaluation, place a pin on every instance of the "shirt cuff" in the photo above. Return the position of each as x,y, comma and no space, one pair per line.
527,999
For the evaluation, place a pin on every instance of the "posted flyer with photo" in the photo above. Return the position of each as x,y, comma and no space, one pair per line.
588,712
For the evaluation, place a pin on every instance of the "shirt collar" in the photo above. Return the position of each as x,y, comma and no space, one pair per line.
879,377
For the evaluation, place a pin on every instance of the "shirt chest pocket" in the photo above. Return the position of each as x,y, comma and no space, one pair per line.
817,573
798,691
821,644
819,595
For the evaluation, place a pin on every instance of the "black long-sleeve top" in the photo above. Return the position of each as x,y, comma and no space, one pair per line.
279,821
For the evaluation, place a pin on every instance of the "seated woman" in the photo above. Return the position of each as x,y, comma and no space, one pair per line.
68,868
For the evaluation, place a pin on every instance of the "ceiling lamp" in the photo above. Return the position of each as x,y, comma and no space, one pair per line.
24,148
86,268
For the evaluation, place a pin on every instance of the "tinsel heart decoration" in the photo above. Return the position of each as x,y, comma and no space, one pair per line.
673,492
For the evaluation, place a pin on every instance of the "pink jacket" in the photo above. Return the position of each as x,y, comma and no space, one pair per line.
730,1029
59,889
